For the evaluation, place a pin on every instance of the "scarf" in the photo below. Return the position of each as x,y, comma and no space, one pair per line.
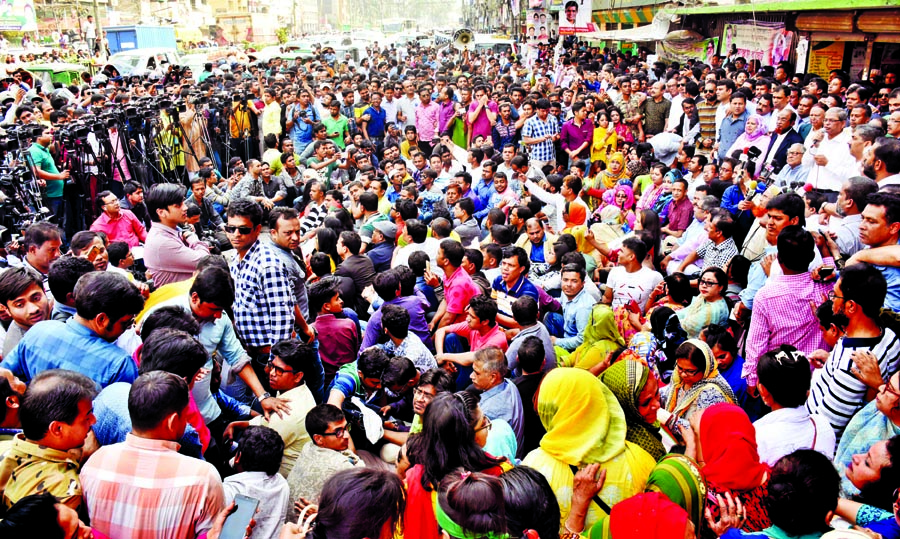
711,378
761,128
601,336
583,419
680,479
626,379
728,442
455,530
610,179
646,516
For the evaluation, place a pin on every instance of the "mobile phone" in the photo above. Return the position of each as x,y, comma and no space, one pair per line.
92,254
826,271
236,524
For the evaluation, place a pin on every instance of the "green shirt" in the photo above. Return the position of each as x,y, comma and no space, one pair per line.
341,126
34,469
44,161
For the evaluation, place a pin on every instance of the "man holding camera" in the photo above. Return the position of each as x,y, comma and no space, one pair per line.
48,176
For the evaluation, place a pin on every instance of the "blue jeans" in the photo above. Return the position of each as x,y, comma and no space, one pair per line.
556,325
454,344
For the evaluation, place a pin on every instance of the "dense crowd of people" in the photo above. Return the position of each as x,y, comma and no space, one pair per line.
466,295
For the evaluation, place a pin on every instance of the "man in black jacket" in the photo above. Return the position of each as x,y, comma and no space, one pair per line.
783,138
358,268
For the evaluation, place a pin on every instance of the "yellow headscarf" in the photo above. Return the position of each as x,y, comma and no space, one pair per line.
584,421
609,181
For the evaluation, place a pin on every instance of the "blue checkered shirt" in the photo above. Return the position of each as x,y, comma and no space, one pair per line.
535,128
263,297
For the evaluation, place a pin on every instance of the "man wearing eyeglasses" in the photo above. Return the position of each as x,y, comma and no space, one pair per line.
327,453
286,369
118,224
829,157
706,110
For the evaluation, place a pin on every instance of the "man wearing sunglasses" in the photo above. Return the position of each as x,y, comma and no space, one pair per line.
706,110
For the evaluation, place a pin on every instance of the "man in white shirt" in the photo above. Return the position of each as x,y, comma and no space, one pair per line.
784,380
830,158
630,280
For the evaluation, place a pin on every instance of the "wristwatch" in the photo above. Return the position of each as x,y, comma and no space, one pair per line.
264,396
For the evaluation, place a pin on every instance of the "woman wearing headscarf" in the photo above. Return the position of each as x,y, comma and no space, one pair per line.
726,452
605,138
586,425
680,479
755,135
696,384
615,170
708,307
878,420
637,390
600,339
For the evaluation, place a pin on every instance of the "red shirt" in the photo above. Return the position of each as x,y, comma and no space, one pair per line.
680,214
126,227
477,341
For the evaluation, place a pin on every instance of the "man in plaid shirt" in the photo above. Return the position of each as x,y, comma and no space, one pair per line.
263,299
539,133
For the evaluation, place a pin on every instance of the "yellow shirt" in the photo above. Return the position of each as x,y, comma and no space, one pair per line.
30,468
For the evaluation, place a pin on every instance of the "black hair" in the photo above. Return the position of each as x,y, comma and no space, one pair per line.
214,285
357,501
351,241
169,316
406,208
154,396
791,205
398,372
81,240
440,379
574,268
369,201
525,311
467,205
454,252
163,195
118,251
795,248
786,375
105,292
372,362
530,503
321,292
261,449
417,230
447,440
531,354
16,281
485,309
35,515
679,287
298,356
387,284
244,207
395,319
418,261
53,395
501,234
636,246
38,234
318,418
474,501
281,213
692,353
803,489
475,257
173,350
866,286
519,254
890,203
320,264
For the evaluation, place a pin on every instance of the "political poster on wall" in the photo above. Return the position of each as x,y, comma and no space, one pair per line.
537,22
575,17
769,43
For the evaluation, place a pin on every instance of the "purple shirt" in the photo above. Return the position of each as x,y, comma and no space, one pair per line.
169,256
482,125
681,214
445,115
572,136
338,342
415,306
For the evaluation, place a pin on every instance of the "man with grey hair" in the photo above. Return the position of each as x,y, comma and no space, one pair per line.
829,156
500,399
694,236
794,170
863,136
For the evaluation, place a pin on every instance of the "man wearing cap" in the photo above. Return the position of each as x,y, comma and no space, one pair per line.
381,244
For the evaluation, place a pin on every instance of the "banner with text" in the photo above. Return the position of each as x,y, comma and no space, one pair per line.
769,43
575,17
682,51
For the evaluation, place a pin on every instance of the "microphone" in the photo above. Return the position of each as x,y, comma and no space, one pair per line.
807,187
751,191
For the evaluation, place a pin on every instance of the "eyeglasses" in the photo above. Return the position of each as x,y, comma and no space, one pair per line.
832,296
278,370
485,426
423,394
890,389
112,203
708,283
687,372
243,230
339,433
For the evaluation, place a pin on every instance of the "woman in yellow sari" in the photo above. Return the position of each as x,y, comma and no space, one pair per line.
585,425
601,337
605,138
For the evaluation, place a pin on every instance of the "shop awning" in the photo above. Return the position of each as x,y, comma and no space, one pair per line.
797,5
655,31
638,15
